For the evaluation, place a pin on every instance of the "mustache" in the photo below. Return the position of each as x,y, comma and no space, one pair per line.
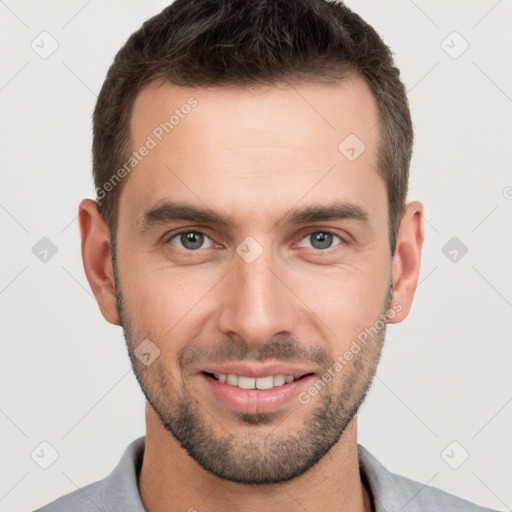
283,349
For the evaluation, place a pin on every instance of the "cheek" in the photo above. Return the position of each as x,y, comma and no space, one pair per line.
165,305
346,299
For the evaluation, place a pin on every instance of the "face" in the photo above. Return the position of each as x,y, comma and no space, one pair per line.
253,253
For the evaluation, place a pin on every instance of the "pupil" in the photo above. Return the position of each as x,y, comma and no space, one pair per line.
322,240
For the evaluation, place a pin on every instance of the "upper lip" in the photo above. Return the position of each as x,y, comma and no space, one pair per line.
257,369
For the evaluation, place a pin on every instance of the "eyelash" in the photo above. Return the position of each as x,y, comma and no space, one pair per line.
201,231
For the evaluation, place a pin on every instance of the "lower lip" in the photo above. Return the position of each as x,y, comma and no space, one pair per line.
256,400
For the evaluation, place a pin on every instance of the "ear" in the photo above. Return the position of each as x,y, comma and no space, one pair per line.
407,259
97,259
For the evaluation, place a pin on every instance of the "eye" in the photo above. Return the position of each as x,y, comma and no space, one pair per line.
321,240
190,240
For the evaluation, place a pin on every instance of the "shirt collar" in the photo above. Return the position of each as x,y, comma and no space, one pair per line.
120,488
120,491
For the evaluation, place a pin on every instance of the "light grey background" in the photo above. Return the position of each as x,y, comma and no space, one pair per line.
445,373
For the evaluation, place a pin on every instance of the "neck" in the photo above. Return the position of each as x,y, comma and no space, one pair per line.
170,480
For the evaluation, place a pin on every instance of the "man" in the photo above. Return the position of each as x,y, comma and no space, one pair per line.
251,236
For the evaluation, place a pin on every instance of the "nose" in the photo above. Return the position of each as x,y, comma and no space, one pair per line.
257,303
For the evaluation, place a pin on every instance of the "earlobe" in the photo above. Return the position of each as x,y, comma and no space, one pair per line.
407,260
97,259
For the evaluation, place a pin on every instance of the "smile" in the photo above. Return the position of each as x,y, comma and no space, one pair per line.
244,382
255,395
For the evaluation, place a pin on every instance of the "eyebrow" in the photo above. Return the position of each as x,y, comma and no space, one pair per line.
168,211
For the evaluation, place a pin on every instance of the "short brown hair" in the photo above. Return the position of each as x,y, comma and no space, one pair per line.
196,43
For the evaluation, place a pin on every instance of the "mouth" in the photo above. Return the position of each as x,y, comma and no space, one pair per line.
247,382
257,391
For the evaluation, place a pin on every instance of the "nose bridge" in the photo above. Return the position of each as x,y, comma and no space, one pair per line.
256,304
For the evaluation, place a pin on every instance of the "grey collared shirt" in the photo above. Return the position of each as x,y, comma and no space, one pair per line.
118,492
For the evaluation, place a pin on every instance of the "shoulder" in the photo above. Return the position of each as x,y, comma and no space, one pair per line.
393,492
117,491
420,497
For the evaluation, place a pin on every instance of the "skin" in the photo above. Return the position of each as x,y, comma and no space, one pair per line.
253,154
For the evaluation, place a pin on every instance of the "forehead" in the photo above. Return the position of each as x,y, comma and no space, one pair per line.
253,151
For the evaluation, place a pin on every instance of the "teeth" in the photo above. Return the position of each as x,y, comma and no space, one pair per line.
269,382
264,382
232,379
279,380
246,382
